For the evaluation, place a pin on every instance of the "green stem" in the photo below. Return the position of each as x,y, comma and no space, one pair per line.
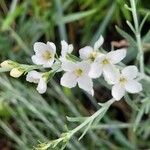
134,13
138,36
141,54
145,77
65,137
112,126
91,118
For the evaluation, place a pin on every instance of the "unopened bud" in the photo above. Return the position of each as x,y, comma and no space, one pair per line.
16,72
7,64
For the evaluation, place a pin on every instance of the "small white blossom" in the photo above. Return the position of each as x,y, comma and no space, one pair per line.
77,73
37,77
90,53
105,64
126,81
65,49
44,54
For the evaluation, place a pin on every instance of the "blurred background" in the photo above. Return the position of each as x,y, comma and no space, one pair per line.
27,117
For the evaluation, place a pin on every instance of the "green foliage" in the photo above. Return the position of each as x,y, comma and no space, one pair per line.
27,117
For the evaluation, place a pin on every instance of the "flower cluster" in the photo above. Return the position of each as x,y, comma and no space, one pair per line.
92,64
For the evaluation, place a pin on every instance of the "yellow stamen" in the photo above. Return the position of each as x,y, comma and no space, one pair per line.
122,80
47,55
78,72
105,61
93,56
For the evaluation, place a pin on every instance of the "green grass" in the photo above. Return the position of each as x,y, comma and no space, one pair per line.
27,117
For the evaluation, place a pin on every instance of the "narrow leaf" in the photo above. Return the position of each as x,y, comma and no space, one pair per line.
4,70
104,24
130,26
146,38
143,21
126,36
138,118
86,129
131,103
76,119
77,16
11,17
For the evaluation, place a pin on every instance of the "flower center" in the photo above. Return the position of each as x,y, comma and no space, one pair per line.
105,61
122,80
47,55
93,56
78,72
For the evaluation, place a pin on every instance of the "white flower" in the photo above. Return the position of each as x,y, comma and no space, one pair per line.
77,73
44,54
90,53
37,77
105,63
126,81
66,49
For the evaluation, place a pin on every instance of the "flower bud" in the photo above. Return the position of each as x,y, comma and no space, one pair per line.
7,64
16,72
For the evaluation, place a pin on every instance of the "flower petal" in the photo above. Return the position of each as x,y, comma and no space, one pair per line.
85,52
42,86
100,58
133,86
130,72
91,92
39,46
70,48
38,60
99,43
33,76
110,73
84,65
68,80
96,70
118,91
68,65
85,83
64,48
52,46
49,63
116,56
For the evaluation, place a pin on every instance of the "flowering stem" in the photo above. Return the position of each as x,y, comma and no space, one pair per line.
65,137
138,36
145,77
95,115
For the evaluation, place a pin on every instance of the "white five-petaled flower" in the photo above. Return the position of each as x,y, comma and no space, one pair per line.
105,63
90,53
126,81
44,54
65,49
77,73
37,77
